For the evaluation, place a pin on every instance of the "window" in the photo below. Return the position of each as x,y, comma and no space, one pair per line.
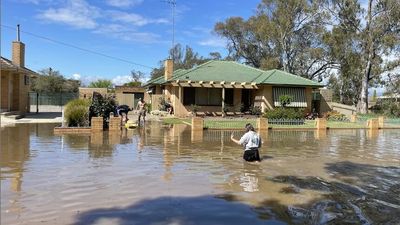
229,96
298,96
189,96
202,96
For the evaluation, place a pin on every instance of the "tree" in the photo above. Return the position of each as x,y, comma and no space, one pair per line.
52,81
377,38
184,58
285,35
101,83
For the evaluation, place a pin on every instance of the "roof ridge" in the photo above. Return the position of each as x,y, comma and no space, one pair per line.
271,73
297,76
190,70
247,66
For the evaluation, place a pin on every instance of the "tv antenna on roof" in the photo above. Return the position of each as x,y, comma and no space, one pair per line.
173,5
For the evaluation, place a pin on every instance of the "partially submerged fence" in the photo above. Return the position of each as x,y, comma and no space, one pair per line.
219,123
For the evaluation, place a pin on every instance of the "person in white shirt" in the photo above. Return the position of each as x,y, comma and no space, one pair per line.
251,142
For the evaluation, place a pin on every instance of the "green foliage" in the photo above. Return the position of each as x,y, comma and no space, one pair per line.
281,35
194,108
335,116
52,81
101,84
285,113
255,110
77,113
184,58
133,84
285,100
102,106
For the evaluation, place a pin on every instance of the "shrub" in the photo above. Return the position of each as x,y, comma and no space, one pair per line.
77,113
102,106
162,105
285,100
335,116
388,108
255,110
194,108
285,113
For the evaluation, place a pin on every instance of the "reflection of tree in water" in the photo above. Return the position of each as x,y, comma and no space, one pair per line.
364,194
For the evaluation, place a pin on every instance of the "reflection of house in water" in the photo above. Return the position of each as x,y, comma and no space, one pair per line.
14,152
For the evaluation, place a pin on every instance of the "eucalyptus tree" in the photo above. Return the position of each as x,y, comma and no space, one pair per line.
376,31
286,35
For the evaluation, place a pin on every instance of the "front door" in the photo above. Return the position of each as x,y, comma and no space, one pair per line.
246,99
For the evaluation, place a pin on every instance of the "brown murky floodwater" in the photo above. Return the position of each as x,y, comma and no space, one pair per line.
168,175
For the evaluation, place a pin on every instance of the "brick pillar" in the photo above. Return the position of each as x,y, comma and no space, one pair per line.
97,124
373,124
353,118
321,123
115,123
381,120
262,123
97,138
197,123
196,135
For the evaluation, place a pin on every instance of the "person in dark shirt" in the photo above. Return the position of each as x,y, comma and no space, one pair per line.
122,110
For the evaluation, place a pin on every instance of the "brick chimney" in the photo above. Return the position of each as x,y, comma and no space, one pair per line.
18,51
168,69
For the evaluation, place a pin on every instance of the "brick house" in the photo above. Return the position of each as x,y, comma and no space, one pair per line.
15,81
218,84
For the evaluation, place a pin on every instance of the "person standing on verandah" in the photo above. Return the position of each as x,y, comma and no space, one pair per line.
251,142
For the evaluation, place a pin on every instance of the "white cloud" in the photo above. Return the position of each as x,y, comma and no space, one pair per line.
85,79
123,3
132,18
120,80
76,76
213,42
127,34
76,13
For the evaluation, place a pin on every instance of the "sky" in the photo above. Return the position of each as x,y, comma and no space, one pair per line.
139,31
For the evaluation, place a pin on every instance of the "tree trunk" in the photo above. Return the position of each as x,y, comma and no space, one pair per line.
362,106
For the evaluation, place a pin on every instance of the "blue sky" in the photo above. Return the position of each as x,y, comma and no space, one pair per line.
136,30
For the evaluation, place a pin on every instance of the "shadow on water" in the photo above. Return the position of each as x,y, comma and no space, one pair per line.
362,194
207,209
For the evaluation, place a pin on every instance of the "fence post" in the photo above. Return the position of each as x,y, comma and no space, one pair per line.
197,129
373,124
353,118
381,121
115,123
321,123
37,102
197,123
97,124
262,123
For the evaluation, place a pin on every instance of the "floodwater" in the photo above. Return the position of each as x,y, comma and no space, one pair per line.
170,175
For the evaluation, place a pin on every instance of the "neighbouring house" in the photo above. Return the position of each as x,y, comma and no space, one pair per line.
215,85
15,80
87,93
127,95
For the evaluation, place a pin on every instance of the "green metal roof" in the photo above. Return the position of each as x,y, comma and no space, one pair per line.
230,71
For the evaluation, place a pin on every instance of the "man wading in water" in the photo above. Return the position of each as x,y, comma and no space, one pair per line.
251,141
142,110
